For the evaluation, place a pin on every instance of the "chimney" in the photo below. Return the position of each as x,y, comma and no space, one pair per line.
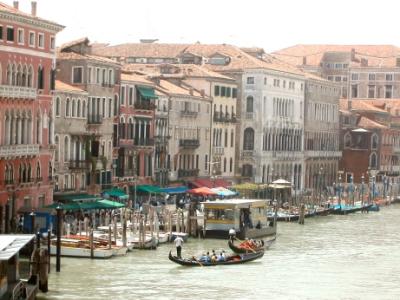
353,54
349,106
16,4
34,8
304,60
191,91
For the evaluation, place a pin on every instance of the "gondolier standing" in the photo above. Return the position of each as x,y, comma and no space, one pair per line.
232,234
178,243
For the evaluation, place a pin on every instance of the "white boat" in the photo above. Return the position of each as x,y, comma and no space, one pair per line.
163,237
70,247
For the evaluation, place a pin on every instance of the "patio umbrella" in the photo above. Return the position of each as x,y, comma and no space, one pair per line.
202,191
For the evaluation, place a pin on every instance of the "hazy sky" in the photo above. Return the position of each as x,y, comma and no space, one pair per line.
269,24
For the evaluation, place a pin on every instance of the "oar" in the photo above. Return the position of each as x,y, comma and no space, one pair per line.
246,249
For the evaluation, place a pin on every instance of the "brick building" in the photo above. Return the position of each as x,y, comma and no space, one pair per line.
27,62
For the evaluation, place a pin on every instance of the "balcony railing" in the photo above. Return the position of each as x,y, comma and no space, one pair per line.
218,150
145,105
19,150
144,142
188,113
249,115
188,173
78,164
247,154
95,119
226,118
105,84
17,92
125,173
189,144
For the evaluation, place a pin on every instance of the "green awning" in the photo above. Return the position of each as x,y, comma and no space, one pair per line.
117,193
148,189
147,92
99,204
111,204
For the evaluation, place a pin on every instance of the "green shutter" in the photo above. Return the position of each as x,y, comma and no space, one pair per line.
216,90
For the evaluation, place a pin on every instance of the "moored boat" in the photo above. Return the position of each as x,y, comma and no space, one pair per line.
74,248
230,260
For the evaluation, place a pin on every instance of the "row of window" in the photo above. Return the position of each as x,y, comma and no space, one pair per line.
373,91
22,75
283,107
10,37
276,83
336,65
218,135
94,76
25,173
223,91
323,112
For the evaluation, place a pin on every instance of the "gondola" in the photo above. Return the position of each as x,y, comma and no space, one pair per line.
238,249
231,260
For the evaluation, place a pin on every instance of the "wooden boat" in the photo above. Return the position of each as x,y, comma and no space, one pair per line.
74,248
230,260
247,248
118,249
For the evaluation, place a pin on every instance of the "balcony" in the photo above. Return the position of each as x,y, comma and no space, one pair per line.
249,115
95,119
19,150
189,144
322,154
161,139
247,154
107,85
188,173
17,92
125,173
218,150
224,118
188,113
144,105
78,164
144,142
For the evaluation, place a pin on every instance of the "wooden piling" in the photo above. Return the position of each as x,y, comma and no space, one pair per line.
302,214
91,243
109,236
124,232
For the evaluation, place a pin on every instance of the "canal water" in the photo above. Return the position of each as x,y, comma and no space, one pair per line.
335,257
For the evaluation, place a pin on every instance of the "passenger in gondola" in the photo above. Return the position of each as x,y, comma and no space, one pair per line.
213,256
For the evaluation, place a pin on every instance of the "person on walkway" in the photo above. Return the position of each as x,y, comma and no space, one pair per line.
178,244
232,234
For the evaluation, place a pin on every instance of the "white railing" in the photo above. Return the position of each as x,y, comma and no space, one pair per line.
322,154
19,150
218,150
17,92
249,115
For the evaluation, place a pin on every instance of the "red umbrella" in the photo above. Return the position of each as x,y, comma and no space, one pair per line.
202,191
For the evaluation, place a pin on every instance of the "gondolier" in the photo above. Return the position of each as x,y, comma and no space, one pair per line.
232,234
178,243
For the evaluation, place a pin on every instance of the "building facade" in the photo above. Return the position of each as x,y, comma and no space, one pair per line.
27,61
71,139
321,128
100,77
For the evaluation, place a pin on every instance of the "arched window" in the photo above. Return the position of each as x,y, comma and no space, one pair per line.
73,110
78,109
66,149
373,161
247,170
224,164
56,152
40,79
249,104
67,107
83,109
58,107
230,164
110,76
29,81
248,141
115,105
347,140
38,172
374,141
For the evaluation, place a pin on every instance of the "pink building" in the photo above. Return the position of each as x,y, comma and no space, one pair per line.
27,62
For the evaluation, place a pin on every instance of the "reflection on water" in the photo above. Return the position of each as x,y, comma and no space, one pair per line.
335,257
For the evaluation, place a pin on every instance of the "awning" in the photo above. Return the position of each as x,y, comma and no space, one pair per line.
111,204
202,191
12,244
75,197
210,183
175,190
148,189
224,192
117,193
100,204
146,92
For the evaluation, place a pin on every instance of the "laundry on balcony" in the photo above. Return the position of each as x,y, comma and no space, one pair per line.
147,92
